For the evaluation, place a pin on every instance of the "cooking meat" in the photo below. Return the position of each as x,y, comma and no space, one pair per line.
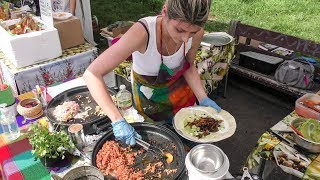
115,160
98,111
170,171
206,125
66,111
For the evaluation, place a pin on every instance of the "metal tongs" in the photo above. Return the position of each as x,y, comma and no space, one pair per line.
149,147
246,174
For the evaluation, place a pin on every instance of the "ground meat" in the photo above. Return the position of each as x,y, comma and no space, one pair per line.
170,171
116,161
66,111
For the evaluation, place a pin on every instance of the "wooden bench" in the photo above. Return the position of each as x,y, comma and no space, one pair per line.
247,37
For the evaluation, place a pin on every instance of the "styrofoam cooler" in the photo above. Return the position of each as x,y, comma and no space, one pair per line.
30,48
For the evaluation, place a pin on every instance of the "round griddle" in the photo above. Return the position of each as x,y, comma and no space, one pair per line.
82,96
158,136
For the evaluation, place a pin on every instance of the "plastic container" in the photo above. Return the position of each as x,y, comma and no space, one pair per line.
124,103
304,110
259,62
8,123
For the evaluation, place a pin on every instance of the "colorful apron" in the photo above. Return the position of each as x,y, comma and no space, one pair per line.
158,98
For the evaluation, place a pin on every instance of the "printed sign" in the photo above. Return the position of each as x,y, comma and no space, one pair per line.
46,12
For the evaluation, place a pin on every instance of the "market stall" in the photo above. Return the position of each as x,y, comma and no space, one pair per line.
168,138
291,144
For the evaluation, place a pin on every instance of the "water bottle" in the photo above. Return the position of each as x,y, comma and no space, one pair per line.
8,123
124,102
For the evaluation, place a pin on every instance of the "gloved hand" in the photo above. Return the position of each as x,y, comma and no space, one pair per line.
124,132
210,103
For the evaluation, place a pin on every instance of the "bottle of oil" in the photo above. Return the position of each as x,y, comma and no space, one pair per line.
124,102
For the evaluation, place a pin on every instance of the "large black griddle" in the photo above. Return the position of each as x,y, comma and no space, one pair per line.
91,124
158,136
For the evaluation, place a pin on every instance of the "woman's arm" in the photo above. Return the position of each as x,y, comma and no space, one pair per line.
191,75
134,40
73,6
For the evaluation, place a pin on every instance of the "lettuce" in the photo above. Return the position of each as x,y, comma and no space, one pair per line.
310,130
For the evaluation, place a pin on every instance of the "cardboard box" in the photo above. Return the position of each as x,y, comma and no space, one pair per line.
117,31
70,32
31,48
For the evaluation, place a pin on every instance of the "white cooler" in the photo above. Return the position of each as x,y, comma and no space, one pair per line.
31,48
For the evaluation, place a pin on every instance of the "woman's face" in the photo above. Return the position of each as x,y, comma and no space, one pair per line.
181,31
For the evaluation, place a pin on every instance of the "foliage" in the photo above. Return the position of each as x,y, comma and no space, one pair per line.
299,18
49,144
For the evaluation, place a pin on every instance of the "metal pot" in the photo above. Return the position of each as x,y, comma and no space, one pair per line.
206,161
306,144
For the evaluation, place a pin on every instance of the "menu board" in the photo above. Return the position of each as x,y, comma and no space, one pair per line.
46,12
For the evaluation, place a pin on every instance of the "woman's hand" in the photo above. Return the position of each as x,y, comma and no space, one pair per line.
124,132
210,103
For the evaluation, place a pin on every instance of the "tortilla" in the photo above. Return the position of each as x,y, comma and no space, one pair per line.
229,124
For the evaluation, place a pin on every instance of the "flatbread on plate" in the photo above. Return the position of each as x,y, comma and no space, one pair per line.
228,123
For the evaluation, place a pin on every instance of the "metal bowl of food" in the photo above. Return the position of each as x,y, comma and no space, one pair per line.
306,127
207,158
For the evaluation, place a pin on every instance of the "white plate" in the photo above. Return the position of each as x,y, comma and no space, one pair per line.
61,15
228,122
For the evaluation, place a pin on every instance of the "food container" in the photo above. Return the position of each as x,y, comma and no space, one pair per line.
84,172
32,111
30,48
304,110
306,144
206,161
287,169
259,62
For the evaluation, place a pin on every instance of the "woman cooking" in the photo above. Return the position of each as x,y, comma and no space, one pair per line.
164,78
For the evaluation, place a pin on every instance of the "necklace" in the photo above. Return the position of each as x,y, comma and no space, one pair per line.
165,44
175,50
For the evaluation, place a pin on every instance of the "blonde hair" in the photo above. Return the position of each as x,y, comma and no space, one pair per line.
192,11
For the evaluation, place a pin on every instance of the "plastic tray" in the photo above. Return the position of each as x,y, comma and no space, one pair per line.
304,110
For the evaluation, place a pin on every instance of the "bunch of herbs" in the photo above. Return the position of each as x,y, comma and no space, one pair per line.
49,144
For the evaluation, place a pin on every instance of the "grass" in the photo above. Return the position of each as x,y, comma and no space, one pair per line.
299,18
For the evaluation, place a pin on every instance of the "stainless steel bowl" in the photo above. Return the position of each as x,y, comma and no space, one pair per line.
207,158
306,144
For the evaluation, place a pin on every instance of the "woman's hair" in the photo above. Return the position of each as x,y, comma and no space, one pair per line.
192,11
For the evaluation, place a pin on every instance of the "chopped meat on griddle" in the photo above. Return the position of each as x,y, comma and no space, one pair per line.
115,160
66,111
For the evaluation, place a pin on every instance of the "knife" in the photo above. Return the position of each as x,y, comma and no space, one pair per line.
291,146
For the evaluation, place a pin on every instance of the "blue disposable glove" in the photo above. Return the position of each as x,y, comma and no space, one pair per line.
124,132
210,103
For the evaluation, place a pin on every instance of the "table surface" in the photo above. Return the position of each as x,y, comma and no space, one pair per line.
17,162
262,158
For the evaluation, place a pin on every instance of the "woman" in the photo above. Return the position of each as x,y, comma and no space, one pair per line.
164,78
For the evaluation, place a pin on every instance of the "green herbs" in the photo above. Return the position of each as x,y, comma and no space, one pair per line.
49,144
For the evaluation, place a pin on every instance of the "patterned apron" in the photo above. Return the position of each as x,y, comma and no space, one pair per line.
158,98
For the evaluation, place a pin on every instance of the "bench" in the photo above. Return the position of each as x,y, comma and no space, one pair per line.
247,37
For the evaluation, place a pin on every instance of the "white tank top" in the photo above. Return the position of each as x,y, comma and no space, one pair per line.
149,62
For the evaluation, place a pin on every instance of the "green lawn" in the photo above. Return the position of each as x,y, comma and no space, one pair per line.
299,18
